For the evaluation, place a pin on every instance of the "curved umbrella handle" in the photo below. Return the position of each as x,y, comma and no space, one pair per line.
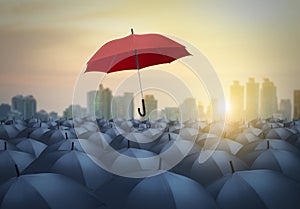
144,109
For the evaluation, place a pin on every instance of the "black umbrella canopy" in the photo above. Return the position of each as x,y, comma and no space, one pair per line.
31,121
259,189
279,133
31,146
74,164
169,190
224,144
11,131
7,145
38,133
219,164
266,144
116,191
246,138
44,191
8,160
294,140
69,144
132,162
54,136
288,163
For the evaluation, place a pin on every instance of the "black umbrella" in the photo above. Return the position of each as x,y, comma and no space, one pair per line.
169,190
259,189
74,164
8,159
44,191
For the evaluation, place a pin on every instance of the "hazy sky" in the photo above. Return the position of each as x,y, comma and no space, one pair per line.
45,44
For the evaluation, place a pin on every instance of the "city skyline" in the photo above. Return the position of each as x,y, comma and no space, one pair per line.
257,100
44,47
250,101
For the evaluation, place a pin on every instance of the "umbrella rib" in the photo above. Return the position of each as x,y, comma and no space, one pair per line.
38,193
249,186
112,60
168,187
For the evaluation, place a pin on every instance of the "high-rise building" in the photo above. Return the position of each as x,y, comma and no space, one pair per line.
252,99
123,106
93,103
268,99
29,108
189,109
25,105
150,105
118,109
236,101
285,109
4,111
129,105
17,103
105,98
296,104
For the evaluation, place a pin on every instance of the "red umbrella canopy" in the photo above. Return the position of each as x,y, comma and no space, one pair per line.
120,54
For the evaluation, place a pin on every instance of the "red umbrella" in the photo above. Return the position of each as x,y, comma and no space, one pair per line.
135,52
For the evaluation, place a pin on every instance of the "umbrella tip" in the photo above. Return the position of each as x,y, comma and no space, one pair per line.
231,166
132,31
17,170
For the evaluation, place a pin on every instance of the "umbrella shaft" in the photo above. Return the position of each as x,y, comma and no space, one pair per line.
139,75
140,83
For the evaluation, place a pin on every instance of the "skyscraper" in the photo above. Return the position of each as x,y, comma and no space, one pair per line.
4,111
150,104
29,106
189,109
252,99
122,106
296,104
92,103
105,98
268,99
17,103
129,106
25,105
236,101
